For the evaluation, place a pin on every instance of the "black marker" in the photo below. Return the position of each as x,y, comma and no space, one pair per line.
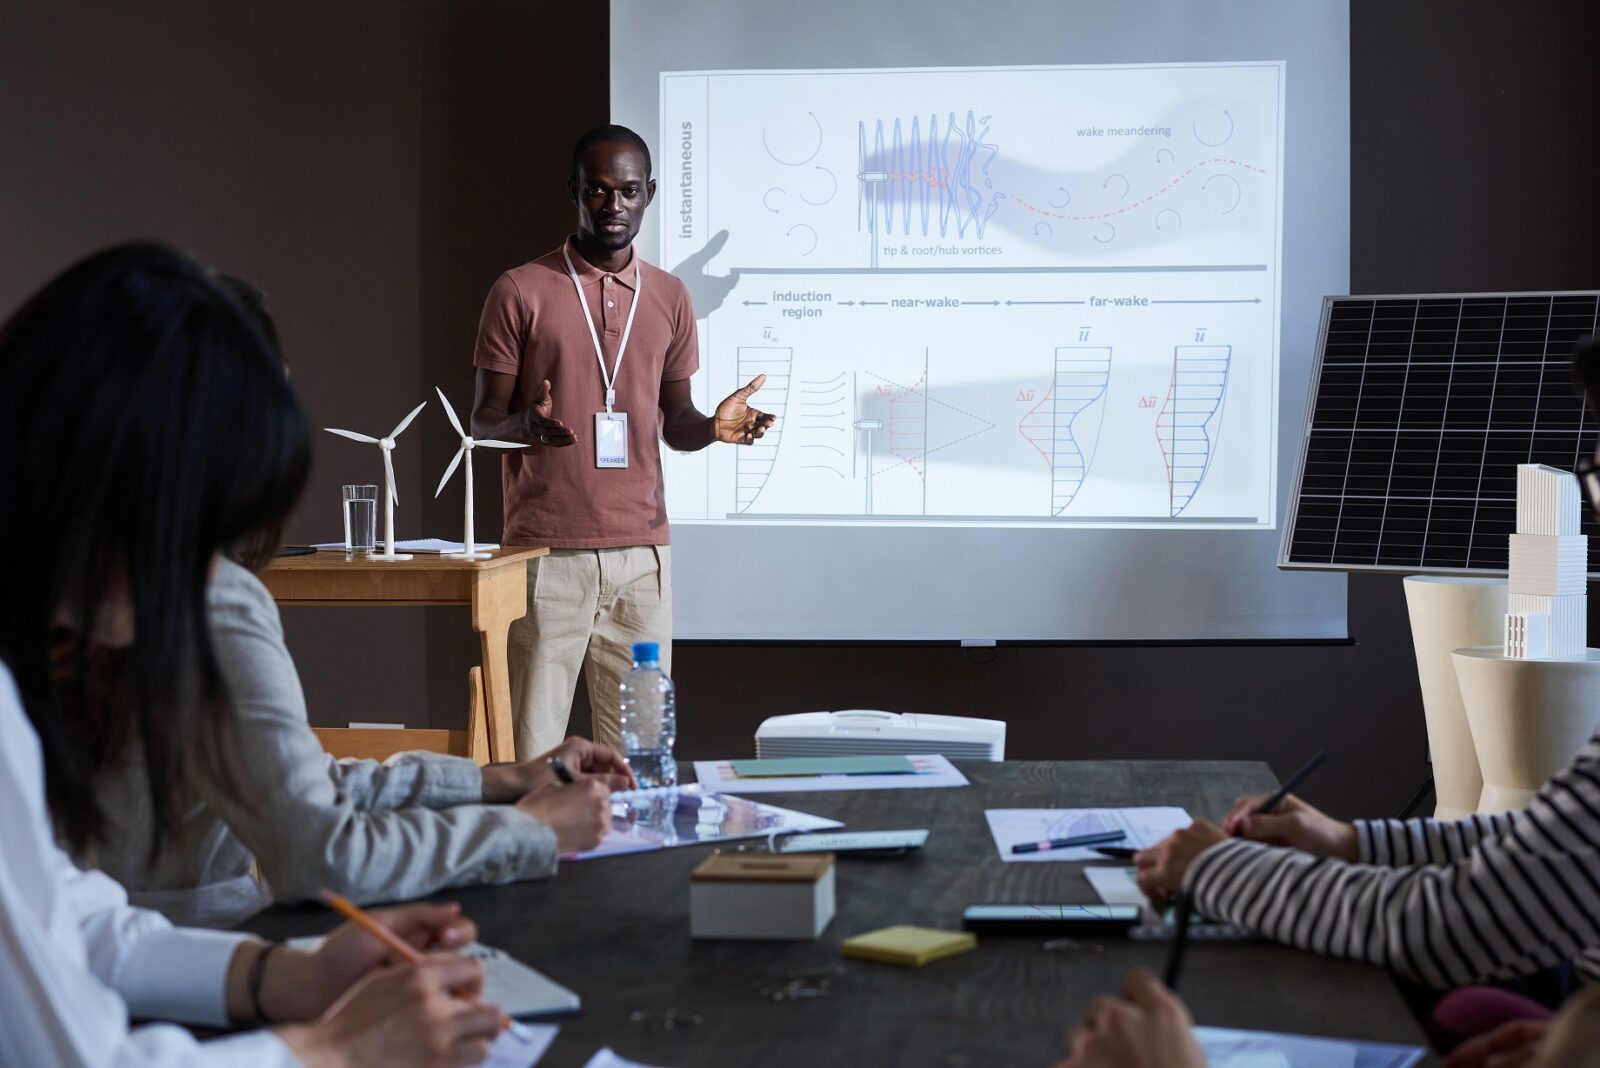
559,766
1116,852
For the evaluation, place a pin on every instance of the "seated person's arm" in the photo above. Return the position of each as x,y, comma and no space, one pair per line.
366,829
1505,908
76,959
1542,827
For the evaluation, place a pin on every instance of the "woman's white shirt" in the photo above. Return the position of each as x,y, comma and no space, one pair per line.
76,959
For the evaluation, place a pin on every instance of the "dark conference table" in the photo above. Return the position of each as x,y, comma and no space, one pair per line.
616,930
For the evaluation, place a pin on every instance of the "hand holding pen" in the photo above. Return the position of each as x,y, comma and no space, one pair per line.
1292,823
1161,869
1183,910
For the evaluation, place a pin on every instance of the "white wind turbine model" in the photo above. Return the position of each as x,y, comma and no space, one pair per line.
390,497
469,549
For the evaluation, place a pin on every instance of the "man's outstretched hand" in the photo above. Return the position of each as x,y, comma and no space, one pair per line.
736,422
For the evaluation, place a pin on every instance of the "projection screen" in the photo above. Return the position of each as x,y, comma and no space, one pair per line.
1034,288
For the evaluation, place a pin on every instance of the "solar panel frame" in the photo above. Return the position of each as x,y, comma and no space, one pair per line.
1479,366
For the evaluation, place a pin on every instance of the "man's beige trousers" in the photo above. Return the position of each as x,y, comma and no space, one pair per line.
586,608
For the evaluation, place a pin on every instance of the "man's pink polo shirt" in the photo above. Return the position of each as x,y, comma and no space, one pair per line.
533,328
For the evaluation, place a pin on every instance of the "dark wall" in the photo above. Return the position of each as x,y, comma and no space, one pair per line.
375,165
279,142
372,165
509,86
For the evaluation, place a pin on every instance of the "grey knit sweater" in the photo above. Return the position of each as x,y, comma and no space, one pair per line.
389,831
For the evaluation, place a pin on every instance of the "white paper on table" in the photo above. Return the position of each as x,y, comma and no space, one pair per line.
1226,1048
930,770
510,1051
666,816
416,545
1141,827
606,1059
1116,886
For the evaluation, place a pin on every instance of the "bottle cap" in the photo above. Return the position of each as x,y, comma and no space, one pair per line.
646,652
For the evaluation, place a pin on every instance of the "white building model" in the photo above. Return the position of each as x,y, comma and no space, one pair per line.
1548,605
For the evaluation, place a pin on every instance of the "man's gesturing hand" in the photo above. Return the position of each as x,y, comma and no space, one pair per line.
539,425
736,422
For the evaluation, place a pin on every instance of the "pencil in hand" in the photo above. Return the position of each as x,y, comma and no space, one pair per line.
393,942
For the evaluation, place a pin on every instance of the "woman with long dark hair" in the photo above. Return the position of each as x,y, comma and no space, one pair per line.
145,424
286,821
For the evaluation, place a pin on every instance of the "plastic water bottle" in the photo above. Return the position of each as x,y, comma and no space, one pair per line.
649,713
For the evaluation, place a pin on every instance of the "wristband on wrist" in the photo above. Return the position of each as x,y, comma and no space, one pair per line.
258,971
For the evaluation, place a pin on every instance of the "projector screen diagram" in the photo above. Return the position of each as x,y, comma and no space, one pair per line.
1013,296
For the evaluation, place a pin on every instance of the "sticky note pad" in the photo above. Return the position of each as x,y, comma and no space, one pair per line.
791,767
910,946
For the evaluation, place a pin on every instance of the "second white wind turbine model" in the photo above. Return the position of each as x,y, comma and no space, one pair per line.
390,496
469,550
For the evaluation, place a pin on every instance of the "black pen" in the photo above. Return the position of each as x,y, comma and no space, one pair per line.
1180,941
1294,780
1116,852
1068,843
1184,910
559,766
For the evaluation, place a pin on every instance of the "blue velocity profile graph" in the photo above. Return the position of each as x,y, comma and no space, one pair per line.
1187,425
1082,375
936,180
755,461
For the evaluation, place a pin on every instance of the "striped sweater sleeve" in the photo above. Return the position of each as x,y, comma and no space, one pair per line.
1401,843
1506,903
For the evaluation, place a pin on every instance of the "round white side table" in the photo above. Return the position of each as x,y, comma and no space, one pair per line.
1529,718
1446,614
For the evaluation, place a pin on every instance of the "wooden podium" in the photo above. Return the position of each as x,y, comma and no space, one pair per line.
495,589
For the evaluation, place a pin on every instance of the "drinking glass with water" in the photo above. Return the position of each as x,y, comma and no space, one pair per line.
360,519
649,713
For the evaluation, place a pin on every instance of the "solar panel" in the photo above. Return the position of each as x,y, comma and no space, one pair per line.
1421,409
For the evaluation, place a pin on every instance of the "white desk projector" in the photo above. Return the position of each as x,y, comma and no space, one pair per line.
860,732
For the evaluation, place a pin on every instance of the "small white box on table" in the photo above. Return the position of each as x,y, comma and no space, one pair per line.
761,896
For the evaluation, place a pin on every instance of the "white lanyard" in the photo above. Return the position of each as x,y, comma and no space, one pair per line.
609,377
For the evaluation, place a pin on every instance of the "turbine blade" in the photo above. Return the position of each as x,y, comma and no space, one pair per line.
388,472
455,462
449,411
499,444
407,420
352,435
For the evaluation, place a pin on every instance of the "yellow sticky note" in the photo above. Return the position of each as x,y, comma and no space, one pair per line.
910,946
